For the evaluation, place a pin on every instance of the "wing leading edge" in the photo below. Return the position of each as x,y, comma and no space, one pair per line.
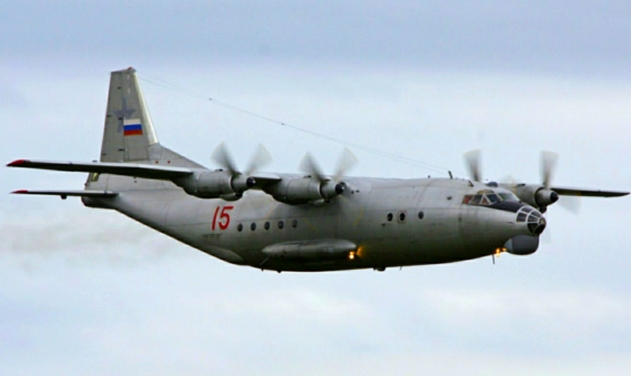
65,193
125,169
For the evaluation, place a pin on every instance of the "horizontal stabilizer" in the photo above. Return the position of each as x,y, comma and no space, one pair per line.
64,194
587,192
125,169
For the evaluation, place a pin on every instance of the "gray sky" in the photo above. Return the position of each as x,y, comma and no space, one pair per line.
88,291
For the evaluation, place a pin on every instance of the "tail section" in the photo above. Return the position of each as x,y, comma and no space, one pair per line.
129,135
128,132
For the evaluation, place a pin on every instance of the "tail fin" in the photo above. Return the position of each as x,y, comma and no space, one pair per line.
128,132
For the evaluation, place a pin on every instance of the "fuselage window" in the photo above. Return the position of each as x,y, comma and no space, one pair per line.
401,216
266,225
420,215
240,227
281,224
253,226
390,216
294,223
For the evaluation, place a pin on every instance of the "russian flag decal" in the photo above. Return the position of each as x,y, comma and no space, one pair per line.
132,127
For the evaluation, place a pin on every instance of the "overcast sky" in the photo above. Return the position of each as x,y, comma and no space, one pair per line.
92,292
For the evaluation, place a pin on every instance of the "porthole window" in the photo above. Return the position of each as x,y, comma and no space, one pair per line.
420,215
266,225
253,226
294,223
390,216
281,224
401,216
240,227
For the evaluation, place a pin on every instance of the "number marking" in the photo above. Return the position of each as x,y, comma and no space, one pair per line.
224,218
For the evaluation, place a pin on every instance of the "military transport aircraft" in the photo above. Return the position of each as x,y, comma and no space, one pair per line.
302,222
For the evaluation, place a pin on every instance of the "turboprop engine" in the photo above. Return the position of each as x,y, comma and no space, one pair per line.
305,190
227,183
216,184
315,188
536,195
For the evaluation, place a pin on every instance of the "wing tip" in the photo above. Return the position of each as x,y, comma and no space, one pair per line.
18,163
20,192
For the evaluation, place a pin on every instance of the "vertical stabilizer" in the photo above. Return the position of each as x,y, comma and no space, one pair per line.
128,132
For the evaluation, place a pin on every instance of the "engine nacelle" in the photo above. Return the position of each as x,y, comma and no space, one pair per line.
216,184
536,195
305,190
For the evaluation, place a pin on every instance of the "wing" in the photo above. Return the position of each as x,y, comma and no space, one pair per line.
564,191
65,193
125,169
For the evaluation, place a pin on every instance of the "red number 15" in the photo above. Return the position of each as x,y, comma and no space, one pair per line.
224,217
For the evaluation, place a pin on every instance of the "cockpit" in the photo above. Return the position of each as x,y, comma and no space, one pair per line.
488,197
502,199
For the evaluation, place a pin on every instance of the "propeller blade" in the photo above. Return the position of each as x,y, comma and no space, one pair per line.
260,159
473,164
222,156
548,163
309,166
546,237
347,161
509,183
571,204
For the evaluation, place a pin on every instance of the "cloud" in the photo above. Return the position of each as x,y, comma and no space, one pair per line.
563,37
82,238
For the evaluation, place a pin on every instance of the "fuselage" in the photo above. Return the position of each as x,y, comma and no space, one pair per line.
393,222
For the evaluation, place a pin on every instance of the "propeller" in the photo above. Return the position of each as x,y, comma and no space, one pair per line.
310,166
241,181
547,196
260,159
222,156
571,204
345,163
329,186
472,159
547,166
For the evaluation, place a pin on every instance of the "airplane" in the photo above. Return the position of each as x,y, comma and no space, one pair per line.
305,222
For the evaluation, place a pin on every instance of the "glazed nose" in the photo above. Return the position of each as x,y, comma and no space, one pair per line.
533,218
537,225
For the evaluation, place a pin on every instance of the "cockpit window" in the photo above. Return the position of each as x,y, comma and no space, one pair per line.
508,196
493,198
488,197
